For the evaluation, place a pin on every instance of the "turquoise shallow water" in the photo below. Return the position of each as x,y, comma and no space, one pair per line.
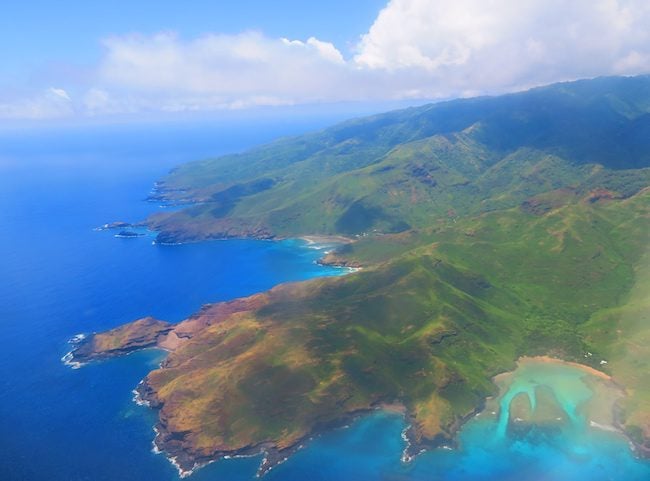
566,382
58,277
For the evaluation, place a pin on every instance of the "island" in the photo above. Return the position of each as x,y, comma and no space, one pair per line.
489,230
115,225
128,234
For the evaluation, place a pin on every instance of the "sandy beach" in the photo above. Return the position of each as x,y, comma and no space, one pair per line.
553,360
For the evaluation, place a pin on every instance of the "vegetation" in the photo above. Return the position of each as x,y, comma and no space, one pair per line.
488,229
414,167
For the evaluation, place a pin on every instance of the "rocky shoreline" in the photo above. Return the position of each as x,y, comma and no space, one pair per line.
186,460
150,332
140,334
153,333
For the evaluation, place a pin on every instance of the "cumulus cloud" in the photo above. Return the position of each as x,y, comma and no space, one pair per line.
504,44
326,50
223,69
413,49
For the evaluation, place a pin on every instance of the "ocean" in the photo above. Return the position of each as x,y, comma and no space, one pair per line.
60,277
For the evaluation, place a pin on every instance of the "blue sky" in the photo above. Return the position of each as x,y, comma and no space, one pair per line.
128,59
39,33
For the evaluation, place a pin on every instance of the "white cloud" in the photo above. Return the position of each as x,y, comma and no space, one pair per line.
414,49
326,50
59,93
504,44
230,67
48,104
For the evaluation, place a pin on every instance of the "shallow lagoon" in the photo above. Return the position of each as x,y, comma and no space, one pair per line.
567,450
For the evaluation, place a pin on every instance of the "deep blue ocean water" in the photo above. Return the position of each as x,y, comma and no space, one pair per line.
59,277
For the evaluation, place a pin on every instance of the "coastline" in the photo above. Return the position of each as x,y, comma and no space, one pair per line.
186,463
84,351
164,237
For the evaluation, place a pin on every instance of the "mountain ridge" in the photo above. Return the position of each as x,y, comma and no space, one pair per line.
392,169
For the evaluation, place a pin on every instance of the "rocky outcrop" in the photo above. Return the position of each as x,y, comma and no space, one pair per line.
140,334
334,259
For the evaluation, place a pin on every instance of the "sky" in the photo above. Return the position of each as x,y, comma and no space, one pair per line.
81,60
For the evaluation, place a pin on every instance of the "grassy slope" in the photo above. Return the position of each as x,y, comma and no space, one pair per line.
527,220
623,336
427,327
322,350
407,168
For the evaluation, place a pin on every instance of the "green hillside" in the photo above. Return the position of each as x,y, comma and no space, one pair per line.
488,229
410,168
427,324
